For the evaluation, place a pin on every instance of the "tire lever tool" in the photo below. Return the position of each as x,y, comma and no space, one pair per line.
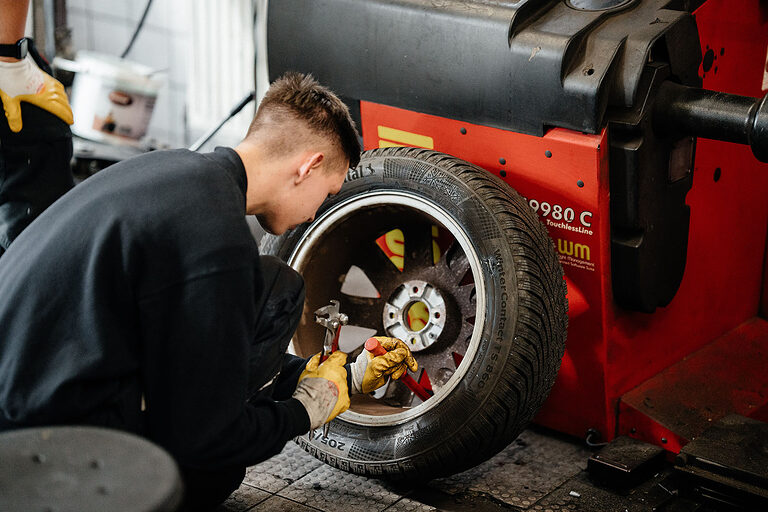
330,318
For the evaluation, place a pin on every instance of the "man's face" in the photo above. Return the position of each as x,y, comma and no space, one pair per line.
300,203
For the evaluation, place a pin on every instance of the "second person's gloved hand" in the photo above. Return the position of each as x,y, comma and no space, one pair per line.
24,81
369,373
322,388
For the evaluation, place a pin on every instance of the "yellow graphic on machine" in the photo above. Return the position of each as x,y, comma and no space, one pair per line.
391,137
574,254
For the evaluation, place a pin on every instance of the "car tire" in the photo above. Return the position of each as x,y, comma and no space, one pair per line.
519,325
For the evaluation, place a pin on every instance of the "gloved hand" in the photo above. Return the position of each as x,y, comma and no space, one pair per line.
25,81
322,388
369,373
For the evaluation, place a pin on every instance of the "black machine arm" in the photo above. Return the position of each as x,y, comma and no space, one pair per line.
713,115
530,65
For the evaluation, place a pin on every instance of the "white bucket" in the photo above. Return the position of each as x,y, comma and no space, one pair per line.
112,99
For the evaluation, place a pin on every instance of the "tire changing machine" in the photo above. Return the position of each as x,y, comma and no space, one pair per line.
625,123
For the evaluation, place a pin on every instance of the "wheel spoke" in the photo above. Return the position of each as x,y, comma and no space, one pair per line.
375,264
455,264
465,299
364,312
418,245
398,395
433,362
424,380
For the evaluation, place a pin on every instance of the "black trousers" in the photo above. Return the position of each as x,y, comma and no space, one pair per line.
34,169
279,315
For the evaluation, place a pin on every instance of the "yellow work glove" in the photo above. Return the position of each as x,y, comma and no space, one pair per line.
322,388
46,92
370,372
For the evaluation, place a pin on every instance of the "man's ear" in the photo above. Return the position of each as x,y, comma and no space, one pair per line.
312,163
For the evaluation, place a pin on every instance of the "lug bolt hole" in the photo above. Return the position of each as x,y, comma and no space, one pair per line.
415,289
437,314
391,315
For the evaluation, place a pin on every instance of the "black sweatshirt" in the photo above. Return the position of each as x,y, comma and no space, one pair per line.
144,282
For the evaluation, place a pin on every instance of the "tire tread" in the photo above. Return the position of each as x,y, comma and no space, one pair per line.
539,341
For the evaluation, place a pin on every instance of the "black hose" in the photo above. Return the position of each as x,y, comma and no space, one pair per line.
138,29
235,110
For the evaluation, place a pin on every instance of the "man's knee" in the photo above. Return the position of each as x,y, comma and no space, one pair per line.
284,287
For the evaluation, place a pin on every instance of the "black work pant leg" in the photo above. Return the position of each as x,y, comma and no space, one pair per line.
206,490
278,317
283,304
34,169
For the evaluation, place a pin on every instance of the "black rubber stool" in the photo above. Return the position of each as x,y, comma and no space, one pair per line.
58,469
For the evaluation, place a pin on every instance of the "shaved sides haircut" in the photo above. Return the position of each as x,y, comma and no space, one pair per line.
297,99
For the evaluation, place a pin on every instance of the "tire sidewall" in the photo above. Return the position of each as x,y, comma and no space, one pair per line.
393,449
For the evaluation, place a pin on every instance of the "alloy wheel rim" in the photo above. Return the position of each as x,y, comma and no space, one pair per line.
451,289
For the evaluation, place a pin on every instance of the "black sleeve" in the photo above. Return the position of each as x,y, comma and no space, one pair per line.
289,376
196,343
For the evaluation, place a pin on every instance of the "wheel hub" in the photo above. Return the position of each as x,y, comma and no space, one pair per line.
415,313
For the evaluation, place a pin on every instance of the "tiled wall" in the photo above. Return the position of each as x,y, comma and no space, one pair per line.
107,25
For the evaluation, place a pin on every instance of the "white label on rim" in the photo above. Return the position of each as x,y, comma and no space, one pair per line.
352,336
358,284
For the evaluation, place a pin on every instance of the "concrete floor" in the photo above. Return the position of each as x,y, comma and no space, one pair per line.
539,471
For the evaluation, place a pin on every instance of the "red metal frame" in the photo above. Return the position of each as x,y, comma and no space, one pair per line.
764,298
610,351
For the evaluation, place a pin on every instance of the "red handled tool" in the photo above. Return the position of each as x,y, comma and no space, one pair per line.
330,318
373,346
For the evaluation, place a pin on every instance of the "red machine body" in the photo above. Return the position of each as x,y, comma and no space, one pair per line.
627,372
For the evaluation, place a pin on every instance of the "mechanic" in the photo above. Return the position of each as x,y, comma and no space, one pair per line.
138,300
34,161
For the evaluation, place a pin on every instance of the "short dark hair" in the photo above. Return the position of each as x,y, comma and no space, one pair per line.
302,97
